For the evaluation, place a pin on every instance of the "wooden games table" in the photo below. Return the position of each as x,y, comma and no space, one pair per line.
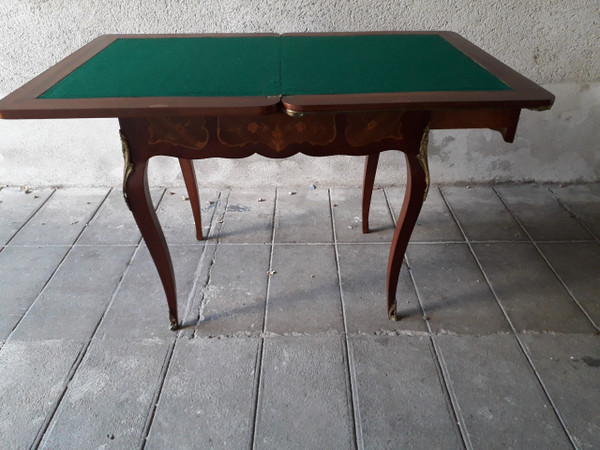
230,96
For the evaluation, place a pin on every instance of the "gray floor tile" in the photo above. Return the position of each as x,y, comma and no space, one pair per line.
139,309
114,223
32,377
482,215
62,218
248,217
16,207
568,367
584,201
453,290
500,401
208,397
435,221
75,299
234,299
304,295
541,215
24,271
304,397
363,269
578,266
347,213
303,217
401,405
176,219
531,294
110,397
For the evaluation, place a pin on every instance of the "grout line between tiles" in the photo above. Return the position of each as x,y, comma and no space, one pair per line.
83,353
28,219
440,364
80,358
195,283
443,374
58,266
351,373
56,403
209,242
172,348
539,250
216,229
157,393
573,213
519,341
260,357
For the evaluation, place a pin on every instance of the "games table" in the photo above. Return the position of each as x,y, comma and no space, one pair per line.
230,96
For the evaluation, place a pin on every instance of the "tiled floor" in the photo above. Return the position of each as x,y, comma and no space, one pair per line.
286,343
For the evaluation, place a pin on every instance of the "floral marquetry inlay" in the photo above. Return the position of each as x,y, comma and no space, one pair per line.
189,132
277,131
364,128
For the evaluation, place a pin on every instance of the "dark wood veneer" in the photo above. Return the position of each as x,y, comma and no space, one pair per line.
235,127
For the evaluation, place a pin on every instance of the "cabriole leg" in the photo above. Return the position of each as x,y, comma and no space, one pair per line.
189,176
368,182
137,196
417,185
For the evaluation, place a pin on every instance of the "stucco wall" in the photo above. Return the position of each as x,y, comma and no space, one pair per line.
554,42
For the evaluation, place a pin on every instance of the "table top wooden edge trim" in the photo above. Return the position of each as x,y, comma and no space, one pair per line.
24,103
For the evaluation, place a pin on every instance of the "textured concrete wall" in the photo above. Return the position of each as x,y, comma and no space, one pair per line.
555,43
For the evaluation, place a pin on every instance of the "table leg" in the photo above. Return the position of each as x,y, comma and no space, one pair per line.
189,176
368,181
417,185
137,196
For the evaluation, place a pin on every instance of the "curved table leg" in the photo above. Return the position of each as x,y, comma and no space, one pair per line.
368,181
137,196
189,176
417,185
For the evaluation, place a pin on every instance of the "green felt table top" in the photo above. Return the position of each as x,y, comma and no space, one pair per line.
273,66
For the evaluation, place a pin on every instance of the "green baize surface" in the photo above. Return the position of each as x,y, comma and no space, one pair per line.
273,66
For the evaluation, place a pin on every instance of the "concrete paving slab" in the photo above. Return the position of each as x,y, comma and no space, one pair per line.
435,222
482,215
304,295
530,293
176,219
497,395
363,269
114,223
248,217
62,218
401,405
584,201
569,366
208,396
541,215
139,309
453,290
77,296
304,395
347,216
33,376
110,397
234,299
577,265
303,216
24,271
17,206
